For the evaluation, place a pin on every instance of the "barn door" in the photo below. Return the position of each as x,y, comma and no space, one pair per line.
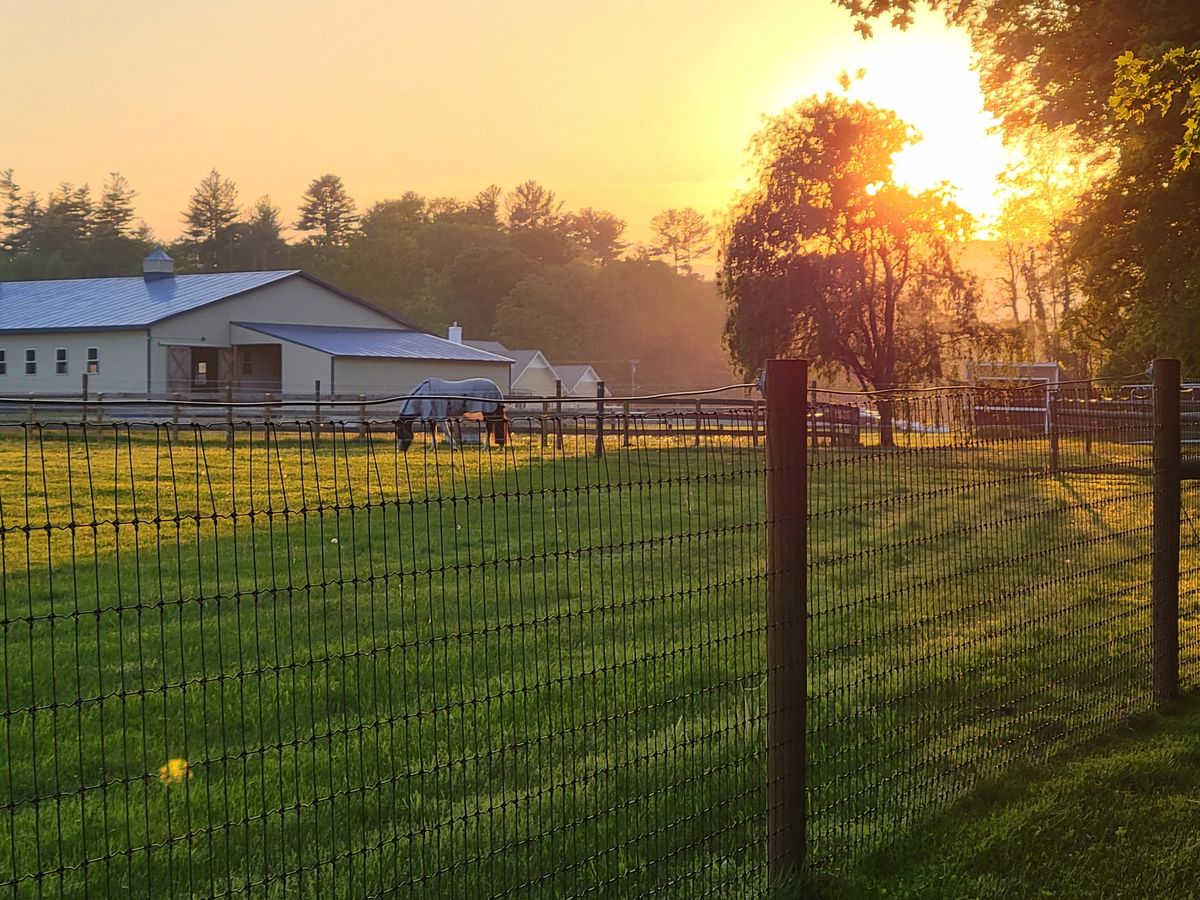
179,368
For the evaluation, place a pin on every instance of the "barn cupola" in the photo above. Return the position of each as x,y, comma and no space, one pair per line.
158,265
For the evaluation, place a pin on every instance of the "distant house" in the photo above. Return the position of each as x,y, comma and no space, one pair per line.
579,380
160,333
532,374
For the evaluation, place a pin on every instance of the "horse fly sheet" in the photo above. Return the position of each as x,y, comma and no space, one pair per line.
435,402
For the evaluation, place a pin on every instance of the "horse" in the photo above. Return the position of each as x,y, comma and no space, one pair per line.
435,402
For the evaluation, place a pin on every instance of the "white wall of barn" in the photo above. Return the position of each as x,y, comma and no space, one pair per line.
374,376
293,300
120,362
302,366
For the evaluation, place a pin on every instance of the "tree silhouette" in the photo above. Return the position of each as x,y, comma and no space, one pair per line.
327,209
829,258
681,235
529,205
212,210
114,213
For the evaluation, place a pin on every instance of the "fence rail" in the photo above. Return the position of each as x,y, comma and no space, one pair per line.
276,655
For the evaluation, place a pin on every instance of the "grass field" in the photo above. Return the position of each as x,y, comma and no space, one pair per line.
475,673
524,674
1118,819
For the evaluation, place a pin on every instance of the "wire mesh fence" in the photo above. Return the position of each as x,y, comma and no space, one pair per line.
284,657
315,665
979,594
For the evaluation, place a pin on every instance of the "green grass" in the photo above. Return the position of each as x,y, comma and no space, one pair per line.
379,673
525,674
1119,819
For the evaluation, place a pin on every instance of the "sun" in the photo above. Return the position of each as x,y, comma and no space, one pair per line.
925,76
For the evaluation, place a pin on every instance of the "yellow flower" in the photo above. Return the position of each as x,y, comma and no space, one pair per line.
175,770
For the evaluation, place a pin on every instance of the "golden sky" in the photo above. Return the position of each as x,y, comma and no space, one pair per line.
627,106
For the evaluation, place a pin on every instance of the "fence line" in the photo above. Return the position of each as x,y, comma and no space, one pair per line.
282,656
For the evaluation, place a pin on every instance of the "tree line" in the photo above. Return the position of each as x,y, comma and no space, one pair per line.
511,266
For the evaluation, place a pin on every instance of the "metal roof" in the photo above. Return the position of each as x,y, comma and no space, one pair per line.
571,375
389,343
118,302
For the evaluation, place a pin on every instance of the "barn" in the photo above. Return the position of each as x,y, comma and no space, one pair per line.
281,332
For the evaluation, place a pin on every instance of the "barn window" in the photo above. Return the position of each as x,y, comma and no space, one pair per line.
3,362
60,361
93,360
30,362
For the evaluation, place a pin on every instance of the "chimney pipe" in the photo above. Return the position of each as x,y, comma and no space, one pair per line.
455,334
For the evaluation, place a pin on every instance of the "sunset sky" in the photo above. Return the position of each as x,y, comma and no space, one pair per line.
627,106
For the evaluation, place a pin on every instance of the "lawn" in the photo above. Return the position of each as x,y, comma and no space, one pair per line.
532,673
526,674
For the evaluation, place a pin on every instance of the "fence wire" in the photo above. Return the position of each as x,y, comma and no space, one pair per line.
289,659
316,665
979,595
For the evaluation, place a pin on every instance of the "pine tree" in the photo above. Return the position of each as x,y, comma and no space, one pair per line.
211,213
11,222
327,209
114,213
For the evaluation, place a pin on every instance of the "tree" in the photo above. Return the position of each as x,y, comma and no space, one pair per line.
391,216
1169,83
484,207
327,209
681,235
529,205
598,233
11,221
262,244
829,258
1054,63
114,212
212,211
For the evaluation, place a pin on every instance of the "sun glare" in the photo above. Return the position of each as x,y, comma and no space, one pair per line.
925,75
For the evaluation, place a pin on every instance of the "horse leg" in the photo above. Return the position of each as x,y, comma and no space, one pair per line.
449,436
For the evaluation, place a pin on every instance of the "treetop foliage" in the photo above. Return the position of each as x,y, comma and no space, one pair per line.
484,262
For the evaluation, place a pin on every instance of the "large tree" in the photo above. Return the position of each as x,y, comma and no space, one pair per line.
598,233
1124,74
211,212
10,212
530,205
682,236
829,258
114,213
328,210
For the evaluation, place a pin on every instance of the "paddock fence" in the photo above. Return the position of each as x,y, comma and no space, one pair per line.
262,651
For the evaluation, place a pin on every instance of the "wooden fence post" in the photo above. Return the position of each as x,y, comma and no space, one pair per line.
754,418
699,419
600,418
175,417
362,415
558,418
317,411
84,416
1167,474
625,424
229,415
787,610
545,423
100,408
1052,425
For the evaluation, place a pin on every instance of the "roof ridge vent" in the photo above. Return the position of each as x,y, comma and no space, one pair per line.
158,265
